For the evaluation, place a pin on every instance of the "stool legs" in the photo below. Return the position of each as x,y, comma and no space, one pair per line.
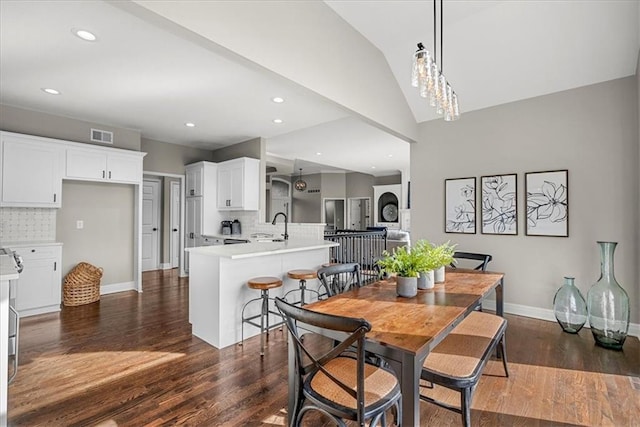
302,287
264,318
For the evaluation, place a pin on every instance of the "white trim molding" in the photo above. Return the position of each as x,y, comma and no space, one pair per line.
112,288
543,314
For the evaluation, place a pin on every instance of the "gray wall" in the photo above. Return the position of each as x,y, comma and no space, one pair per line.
388,180
14,119
332,185
251,148
359,185
106,239
170,158
305,206
593,132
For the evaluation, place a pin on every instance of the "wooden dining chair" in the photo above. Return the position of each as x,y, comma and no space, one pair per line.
339,278
483,258
334,383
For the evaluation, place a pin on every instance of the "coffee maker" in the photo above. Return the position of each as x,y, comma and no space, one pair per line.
226,228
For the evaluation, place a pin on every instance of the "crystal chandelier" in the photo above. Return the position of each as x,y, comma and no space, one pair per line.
300,185
429,78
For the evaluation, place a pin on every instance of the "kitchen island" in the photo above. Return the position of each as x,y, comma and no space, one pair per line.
218,282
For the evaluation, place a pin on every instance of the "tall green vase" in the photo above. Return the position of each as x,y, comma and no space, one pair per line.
608,304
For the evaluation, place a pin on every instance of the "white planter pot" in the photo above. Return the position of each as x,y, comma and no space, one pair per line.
406,286
426,280
439,274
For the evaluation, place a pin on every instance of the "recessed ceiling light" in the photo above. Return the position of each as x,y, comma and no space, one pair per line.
390,155
85,35
277,121
50,91
373,167
278,100
190,125
318,154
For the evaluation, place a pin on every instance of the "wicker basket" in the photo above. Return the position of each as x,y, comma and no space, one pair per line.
82,285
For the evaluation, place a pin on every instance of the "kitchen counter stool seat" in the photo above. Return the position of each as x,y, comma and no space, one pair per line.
263,284
302,276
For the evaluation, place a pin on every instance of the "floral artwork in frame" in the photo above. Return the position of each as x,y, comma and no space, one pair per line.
460,205
547,203
499,204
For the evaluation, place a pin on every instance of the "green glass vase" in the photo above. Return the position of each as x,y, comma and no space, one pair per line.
570,307
608,303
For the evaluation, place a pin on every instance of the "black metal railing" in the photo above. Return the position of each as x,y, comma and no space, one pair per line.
364,247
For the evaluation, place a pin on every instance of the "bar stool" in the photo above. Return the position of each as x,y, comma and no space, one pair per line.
302,276
263,284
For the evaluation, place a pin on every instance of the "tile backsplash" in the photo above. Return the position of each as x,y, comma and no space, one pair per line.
251,224
27,224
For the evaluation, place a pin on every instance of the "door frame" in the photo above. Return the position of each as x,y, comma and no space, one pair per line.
335,199
182,273
157,182
175,186
350,200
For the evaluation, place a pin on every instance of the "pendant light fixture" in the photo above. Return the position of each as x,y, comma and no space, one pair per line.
300,185
429,78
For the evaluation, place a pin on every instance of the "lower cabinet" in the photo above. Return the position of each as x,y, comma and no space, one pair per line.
38,290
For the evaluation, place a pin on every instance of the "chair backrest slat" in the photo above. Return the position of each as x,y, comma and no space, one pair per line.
483,258
340,278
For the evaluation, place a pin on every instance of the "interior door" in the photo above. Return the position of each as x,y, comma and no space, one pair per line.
174,221
150,224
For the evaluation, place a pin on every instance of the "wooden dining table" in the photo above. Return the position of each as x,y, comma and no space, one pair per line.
404,330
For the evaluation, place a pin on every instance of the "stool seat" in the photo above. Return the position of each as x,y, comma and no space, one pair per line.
264,283
303,274
330,264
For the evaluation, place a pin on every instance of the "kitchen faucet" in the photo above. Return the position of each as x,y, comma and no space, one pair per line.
286,234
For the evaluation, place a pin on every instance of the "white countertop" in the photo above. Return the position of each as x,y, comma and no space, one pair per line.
14,245
7,269
256,249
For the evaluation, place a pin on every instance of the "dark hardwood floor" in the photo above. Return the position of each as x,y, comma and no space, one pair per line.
130,360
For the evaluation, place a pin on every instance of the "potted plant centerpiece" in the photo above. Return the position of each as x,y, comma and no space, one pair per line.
427,263
405,264
442,256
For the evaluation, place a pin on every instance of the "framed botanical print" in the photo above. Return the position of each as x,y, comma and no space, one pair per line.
547,203
499,208
460,205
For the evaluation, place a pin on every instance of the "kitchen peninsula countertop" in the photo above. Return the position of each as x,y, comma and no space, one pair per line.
256,249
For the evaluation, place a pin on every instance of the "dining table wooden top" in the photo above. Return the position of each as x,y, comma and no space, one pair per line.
411,325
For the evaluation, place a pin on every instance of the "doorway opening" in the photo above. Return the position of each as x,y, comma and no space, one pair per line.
359,213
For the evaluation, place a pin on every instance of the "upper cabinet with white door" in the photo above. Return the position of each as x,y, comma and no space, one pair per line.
31,171
103,164
239,184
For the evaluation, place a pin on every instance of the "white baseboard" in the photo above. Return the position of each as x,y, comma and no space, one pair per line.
112,288
165,266
40,310
543,314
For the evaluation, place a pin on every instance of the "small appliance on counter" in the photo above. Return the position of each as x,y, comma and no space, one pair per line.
235,227
226,228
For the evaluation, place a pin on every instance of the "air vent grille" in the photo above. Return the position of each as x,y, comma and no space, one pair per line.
103,136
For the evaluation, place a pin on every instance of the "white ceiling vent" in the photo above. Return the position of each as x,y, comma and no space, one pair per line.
103,136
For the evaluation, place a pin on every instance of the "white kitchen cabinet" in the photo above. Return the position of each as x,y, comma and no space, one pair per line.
202,217
31,172
38,290
239,184
193,225
100,164
194,180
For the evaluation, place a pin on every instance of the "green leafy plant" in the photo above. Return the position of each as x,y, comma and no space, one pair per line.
425,253
402,261
443,254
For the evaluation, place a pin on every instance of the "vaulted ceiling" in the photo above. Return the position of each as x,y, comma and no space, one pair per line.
342,67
